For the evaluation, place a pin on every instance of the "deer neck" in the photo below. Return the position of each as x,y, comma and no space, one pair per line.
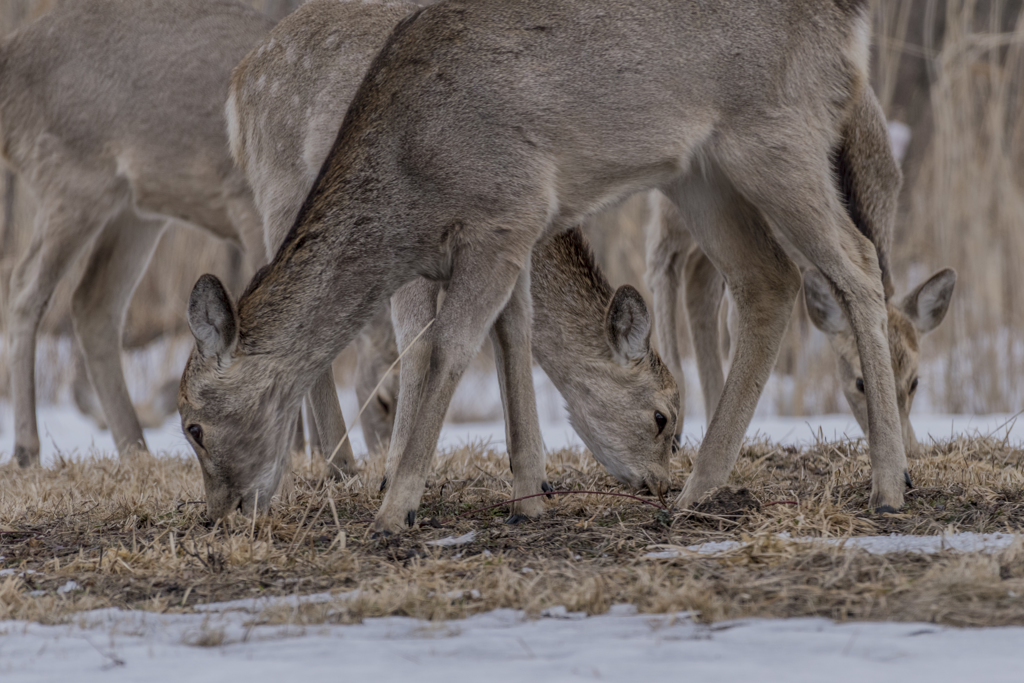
570,295
329,277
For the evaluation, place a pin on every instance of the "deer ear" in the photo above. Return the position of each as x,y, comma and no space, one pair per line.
822,307
926,306
212,318
628,326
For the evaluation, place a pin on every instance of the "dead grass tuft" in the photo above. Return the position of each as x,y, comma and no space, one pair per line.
133,535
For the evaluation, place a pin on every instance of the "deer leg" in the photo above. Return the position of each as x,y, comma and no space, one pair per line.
330,424
800,199
58,238
481,283
376,383
314,436
668,241
412,308
511,340
765,283
82,392
705,288
115,265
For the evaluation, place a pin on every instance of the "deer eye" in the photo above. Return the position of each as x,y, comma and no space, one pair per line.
913,385
196,432
860,385
661,421
383,405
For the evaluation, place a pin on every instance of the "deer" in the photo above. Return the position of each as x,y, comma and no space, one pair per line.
871,178
484,128
286,103
111,172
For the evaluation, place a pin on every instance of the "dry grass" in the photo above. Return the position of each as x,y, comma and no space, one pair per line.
132,535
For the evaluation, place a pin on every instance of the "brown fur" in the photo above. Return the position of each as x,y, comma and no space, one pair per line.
483,127
915,315
869,181
110,112
287,100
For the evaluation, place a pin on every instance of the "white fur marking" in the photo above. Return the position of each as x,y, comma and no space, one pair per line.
234,130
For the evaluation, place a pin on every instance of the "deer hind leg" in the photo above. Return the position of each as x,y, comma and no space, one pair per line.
668,242
59,237
511,335
376,383
412,308
115,265
705,288
330,425
82,392
482,282
313,436
765,284
800,199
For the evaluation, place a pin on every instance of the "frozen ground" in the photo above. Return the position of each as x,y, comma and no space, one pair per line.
112,646
967,542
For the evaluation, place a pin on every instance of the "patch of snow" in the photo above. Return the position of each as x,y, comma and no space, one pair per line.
109,646
20,572
71,585
454,540
473,594
966,542
66,433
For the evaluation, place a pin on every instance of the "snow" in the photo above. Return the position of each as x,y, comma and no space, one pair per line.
966,542
455,540
111,645
64,431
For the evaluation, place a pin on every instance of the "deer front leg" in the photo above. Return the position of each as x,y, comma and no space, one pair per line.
330,425
765,283
667,243
412,308
480,286
800,199
513,359
376,383
705,288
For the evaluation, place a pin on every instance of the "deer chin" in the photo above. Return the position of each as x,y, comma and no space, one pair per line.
615,465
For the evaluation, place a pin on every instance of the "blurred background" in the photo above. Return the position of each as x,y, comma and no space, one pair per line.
951,71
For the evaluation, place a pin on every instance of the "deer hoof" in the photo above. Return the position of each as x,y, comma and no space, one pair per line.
26,457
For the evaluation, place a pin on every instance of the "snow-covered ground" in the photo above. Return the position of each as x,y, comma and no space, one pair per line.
967,542
502,645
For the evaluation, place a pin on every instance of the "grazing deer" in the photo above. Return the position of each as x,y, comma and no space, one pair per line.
485,127
111,112
287,100
871,180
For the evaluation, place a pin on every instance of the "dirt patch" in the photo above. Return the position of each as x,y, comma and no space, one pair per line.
730,504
